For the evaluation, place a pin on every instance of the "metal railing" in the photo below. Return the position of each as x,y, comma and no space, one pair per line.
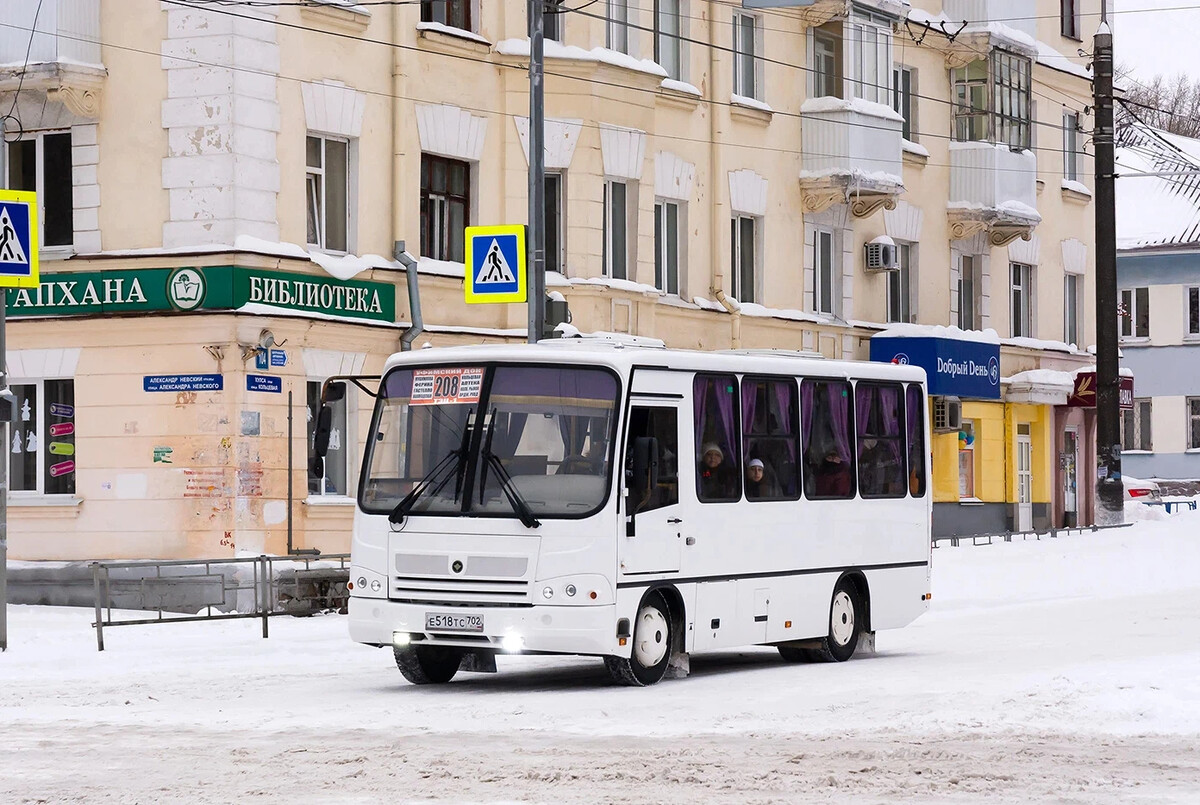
187,590
1008,536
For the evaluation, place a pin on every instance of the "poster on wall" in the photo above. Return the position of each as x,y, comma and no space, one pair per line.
59,459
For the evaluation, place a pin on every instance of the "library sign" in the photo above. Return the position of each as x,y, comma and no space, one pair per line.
192,289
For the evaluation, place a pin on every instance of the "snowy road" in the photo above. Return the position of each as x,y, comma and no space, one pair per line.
1058,671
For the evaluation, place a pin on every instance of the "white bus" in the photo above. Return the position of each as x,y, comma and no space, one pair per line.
636,504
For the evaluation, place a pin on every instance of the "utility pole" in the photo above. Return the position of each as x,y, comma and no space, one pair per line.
1110,491
537,173
4,476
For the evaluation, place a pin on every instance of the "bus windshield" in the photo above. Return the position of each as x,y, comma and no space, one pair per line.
491,440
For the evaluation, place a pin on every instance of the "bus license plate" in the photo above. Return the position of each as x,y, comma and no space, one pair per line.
453,622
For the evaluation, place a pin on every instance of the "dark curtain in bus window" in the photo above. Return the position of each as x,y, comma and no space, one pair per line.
718,476
827,423
880,440
915,408
59,437
663,425
57,182
769,425
23,440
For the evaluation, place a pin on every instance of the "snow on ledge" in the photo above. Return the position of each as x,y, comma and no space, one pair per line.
681,86
259,309
1076,187
1051,58
868,108
914,148
750,103
902,330
557,50
345,5
449,30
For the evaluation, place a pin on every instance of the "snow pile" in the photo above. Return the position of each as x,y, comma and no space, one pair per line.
904,330
826,104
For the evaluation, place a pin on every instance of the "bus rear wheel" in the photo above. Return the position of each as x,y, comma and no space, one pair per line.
653,636
426,665
846,618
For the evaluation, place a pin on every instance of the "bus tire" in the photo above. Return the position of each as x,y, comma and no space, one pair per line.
846,619
653,637
428,664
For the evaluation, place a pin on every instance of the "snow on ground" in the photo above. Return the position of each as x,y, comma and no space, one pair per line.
1062,670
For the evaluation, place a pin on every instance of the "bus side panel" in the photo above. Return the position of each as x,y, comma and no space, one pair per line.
896,596
804,602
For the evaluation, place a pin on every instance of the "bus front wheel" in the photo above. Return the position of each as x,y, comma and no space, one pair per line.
653,636
426,665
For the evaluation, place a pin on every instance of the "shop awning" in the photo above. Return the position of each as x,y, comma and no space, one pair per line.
956,368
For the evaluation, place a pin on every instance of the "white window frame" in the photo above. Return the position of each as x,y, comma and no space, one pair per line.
1139,420
901,287
665,40
556,19
1073,308
616,28
471,6
1133,306
39,139
1021,294
611,248
1069,14
737,248
346,451
42,434
748,83
1193,422
1071,153
561,231
904,99
320,213
834,80
870,57
970,274
828,283
1191,312
662,239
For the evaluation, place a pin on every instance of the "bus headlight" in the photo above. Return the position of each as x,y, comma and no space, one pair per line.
547,592
366,583
576,590
570,590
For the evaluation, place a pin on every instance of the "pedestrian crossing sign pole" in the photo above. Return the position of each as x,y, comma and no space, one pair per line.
18,269
496,264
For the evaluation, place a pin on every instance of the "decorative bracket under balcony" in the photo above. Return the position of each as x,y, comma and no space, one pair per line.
1002,226
866,196
78,87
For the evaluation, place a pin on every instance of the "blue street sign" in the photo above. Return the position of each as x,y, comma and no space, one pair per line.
278,358
495,264
261,361
268,383
18,239
183,383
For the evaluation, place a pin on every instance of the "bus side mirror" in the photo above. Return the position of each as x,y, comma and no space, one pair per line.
324,427
645,469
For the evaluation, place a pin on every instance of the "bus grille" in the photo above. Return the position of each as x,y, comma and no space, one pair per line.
432,579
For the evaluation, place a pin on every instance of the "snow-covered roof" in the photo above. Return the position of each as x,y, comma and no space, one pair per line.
1157,210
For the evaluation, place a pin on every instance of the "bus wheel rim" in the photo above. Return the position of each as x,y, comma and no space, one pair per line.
842,618
650,641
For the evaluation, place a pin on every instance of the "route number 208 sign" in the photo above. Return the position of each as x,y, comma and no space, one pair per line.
447,386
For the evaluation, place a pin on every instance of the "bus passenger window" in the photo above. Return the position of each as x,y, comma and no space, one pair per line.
769,425
663,425
827,422
880,440
916,440
718,474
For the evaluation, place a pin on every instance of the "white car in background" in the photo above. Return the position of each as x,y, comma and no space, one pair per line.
1141,491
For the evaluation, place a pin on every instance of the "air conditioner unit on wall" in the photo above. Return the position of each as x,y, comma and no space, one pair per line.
882,255
947,414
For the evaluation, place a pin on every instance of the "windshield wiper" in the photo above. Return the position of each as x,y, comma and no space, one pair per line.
457,456
519,504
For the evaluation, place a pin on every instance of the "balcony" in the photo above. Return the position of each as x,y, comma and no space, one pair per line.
1008,24
64,51
993,189
850,154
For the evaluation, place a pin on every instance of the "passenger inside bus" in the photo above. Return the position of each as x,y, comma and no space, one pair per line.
833,477
760,483
716,478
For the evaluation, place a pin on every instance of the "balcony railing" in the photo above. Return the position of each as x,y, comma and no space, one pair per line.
992,187
67,32
853,147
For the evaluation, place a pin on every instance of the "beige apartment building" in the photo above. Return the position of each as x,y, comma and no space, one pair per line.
223,186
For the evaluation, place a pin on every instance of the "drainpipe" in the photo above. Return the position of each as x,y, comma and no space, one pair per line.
399,128
716,177
417,325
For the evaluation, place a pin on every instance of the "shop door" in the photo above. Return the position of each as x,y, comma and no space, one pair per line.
1070,476
1024,479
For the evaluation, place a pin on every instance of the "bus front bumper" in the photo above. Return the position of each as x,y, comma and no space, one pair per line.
540,628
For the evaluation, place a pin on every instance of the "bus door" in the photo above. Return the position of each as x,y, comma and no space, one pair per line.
651,538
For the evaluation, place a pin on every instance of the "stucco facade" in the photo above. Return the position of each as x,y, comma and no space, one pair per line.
717,192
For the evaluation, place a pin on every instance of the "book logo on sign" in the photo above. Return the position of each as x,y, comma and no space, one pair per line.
186,289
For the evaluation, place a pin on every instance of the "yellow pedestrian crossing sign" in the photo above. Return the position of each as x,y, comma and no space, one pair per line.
496,264
18,239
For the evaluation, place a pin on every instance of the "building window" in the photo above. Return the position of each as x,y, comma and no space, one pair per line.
618,26
827,60
1070,19
824,272
1193,423
744,257
445,207
328,181
453,13
41,163
745,56
966,460
870,58
992,100
1072,325
554,218
1071,153
41,439
968,289
335,479
1135,427
1134,313
900,286
553,17
904,99
1193,311
667,36
1022,300
616,229
666,246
